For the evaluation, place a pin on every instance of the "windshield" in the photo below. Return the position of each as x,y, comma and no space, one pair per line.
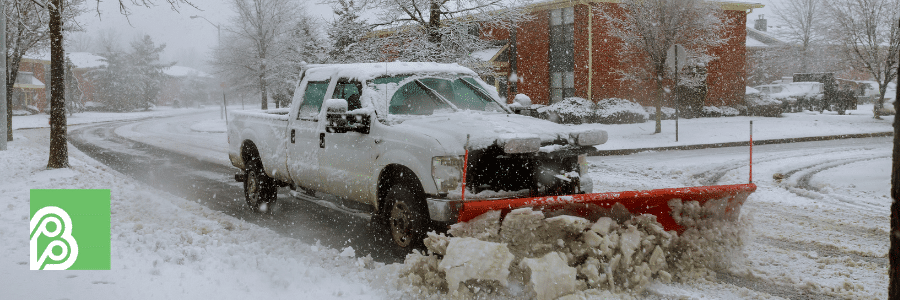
424,95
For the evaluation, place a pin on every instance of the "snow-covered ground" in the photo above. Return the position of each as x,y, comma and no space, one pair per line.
819,231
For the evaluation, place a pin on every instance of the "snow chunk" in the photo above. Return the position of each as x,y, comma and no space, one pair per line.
470,258
485,227
550,276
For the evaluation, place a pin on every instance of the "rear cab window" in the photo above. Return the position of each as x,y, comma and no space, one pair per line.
349,90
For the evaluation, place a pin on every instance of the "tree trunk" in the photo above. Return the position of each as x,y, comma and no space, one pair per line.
59,153
11,75
894,252
659,96
262,88
434,22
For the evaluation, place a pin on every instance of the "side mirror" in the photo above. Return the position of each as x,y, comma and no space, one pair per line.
337,120
522,105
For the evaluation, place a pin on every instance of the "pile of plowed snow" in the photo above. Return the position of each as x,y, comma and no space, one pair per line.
526,254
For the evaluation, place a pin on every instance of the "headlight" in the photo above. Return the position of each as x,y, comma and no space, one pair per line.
447,172
590,138
522,145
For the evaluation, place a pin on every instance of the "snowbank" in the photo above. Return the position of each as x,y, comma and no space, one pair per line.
165,247
528,255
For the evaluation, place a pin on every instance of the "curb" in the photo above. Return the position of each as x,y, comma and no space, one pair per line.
742,144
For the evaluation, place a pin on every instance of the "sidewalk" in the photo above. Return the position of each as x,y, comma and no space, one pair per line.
735,131
624,139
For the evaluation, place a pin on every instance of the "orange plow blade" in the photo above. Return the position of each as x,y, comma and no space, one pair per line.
725,198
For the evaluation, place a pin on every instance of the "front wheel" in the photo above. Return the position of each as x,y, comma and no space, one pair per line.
408,218
259,189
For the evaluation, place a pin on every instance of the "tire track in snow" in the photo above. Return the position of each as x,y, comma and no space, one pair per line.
797,181
764,286
822,250
714,175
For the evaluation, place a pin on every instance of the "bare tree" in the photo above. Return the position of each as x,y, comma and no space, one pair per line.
648,28
865,31
255,42
802,24
59,152
26,32
439,30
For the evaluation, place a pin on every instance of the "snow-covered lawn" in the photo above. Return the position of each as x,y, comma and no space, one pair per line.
824,233
165,247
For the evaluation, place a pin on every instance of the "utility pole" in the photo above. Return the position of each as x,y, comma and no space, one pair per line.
894,251
219,29
3,108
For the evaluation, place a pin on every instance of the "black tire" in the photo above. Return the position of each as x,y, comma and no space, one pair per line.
407,217
258,187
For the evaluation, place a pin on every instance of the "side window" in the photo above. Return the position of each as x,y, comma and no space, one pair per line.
350,91
312,99
411,99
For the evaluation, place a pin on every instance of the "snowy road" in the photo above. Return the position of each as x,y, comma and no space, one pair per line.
819,232
190,170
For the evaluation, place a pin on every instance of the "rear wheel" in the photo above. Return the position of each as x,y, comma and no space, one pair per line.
259,189
408,219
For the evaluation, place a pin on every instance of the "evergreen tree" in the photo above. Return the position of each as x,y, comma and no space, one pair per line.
130,81
147,71
346,32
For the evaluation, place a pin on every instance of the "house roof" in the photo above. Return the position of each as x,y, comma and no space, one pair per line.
554,4
762,39
180,71
86,60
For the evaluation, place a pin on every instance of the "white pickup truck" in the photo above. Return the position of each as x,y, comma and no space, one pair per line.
393,138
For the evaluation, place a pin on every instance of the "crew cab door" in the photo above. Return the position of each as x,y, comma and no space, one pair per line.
347,160
303,137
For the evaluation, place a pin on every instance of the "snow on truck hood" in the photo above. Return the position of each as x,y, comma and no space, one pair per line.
486,128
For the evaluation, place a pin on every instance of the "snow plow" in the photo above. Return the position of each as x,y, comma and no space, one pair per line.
719,202
726,199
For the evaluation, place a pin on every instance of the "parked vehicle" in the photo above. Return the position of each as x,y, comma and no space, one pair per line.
796,96
834,97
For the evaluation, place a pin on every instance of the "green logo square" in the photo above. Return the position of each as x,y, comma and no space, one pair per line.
70,230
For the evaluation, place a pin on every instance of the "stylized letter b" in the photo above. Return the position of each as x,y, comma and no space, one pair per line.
61,235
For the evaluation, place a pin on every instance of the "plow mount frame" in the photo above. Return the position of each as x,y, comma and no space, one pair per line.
653,202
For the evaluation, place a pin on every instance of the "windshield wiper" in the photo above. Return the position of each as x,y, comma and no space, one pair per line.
479,91
435,94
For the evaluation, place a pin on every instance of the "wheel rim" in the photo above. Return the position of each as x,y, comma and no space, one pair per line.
252,189
401,224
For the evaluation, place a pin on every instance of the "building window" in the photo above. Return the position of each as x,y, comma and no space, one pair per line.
562,54
25,78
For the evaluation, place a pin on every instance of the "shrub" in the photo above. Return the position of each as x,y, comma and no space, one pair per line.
668,113
759,104
571,110
711,112
620,111
728,111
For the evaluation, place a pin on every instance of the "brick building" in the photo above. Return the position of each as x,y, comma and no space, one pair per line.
565,51
30,90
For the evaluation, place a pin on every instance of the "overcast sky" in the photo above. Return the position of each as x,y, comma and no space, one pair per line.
189,40
181,34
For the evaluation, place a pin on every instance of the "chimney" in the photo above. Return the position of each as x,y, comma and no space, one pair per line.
760,24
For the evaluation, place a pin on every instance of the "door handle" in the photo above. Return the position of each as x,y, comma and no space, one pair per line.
293,135
322,140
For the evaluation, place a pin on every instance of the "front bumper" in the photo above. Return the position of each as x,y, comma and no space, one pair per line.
443,210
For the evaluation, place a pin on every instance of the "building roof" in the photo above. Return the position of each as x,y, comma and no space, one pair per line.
554,4
180,71
762,39
86,60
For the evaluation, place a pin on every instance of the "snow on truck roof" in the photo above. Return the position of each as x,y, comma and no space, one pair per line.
367,71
